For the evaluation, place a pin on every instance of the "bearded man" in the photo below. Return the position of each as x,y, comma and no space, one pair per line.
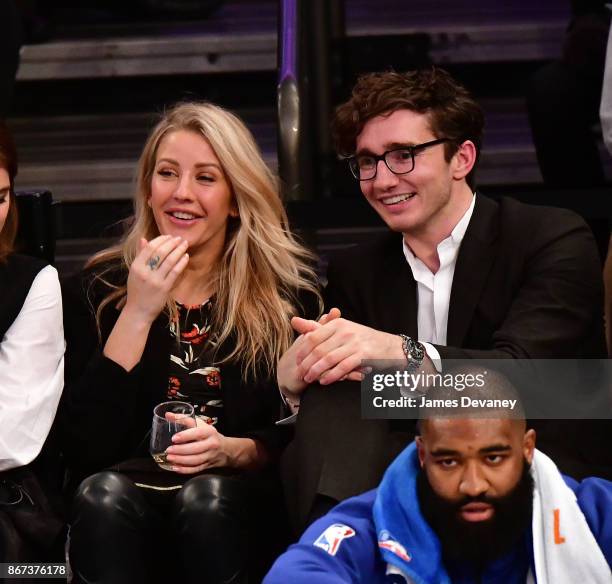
470,501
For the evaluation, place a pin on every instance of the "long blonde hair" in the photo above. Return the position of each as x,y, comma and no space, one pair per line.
262,266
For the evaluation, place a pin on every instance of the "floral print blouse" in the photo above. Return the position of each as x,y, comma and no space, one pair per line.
193,375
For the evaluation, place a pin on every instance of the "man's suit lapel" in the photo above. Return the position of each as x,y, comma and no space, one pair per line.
474,261
400,296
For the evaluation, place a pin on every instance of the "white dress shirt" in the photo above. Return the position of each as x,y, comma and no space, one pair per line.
31,372
434,290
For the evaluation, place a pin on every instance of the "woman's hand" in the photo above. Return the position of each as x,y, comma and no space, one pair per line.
201,447
153,274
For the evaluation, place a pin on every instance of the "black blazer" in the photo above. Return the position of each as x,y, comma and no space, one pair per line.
106,411
527,284
17,274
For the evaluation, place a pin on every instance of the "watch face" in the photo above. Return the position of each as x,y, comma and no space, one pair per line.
417,351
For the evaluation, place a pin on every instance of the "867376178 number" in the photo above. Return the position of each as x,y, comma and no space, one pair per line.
33,570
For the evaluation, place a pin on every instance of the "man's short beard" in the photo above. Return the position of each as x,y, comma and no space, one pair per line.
478,542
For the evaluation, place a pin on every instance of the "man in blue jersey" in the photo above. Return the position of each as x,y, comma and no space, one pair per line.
470,501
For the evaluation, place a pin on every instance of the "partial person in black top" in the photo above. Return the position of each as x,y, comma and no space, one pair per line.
31,380
194,304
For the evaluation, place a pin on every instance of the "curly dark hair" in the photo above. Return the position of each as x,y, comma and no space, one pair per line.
8,161
453,112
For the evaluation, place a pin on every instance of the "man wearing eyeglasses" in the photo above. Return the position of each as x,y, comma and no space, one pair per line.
457,276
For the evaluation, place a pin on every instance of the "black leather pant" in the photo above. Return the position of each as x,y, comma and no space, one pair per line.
117,536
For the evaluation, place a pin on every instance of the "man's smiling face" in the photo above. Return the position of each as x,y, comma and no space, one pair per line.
414,202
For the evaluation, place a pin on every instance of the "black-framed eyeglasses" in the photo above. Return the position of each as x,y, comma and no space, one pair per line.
398,160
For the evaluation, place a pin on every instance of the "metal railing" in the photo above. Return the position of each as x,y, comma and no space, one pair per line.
290,106
307,29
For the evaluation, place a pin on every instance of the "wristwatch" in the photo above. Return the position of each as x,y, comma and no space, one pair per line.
414,352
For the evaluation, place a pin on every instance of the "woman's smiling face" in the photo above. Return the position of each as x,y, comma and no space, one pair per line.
190,194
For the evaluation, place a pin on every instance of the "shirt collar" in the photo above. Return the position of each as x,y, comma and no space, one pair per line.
459,231
455,238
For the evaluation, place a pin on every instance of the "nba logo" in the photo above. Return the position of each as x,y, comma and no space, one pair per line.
332,537
387,542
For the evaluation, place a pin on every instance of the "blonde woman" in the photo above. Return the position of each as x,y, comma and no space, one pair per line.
195,305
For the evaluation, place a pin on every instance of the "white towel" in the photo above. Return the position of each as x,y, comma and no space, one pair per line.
564,548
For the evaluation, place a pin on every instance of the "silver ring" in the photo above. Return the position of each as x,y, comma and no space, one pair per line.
153,263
